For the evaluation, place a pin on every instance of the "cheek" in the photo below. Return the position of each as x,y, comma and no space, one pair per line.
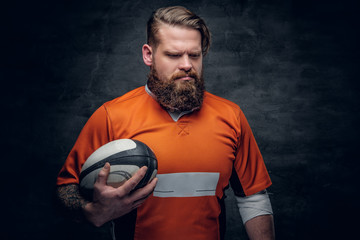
163,71
167,69
198,68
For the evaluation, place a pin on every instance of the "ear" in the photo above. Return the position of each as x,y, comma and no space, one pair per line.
147,53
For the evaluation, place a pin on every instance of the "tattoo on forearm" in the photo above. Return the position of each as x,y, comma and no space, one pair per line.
70,197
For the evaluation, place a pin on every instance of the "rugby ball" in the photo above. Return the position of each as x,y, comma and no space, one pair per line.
126,156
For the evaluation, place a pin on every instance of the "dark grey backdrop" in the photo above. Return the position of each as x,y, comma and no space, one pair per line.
292,66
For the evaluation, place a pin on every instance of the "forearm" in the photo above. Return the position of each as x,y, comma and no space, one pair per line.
261,228
71,200
77,207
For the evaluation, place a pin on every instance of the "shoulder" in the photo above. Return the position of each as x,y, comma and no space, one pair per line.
137,102
130,101
132,96
221,104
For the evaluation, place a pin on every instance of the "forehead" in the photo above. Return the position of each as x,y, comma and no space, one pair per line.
178,38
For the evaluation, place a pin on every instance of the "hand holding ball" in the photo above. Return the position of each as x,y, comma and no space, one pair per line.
126,157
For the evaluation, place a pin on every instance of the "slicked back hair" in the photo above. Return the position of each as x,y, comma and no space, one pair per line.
177,16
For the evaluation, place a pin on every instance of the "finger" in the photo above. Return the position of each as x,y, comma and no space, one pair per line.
152,183
103,174
130,184
144,192
154,180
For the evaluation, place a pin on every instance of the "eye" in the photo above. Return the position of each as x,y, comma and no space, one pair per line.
194,56
173,55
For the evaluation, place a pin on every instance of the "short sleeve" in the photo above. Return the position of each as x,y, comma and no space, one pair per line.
96,132
249,174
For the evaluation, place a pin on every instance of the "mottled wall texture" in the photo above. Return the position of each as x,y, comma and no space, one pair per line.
292,66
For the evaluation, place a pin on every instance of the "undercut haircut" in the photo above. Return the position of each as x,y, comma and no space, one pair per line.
177,16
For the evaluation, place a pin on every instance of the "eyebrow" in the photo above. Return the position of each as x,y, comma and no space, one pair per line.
181,52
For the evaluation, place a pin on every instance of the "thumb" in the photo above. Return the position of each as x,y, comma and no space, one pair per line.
103,174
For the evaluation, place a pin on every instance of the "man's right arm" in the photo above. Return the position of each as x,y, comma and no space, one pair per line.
108,202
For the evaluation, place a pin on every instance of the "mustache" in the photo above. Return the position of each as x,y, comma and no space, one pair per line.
192,74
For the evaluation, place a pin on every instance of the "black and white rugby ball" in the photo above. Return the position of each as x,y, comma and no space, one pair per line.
126,156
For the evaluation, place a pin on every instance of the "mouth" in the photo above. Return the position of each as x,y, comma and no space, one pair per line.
186,78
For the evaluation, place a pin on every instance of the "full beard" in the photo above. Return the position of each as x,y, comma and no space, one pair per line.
177,96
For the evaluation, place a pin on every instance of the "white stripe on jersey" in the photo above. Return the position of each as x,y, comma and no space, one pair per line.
190,184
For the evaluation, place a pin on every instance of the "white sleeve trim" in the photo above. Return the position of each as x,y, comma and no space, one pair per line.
254,205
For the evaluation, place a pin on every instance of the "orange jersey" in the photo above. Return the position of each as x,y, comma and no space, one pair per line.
197,155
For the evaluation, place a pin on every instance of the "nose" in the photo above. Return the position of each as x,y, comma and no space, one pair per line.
185,63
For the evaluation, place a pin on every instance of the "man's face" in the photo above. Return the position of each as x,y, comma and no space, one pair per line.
178,51
176,68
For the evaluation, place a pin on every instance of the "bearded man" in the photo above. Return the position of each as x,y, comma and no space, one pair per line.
199,139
